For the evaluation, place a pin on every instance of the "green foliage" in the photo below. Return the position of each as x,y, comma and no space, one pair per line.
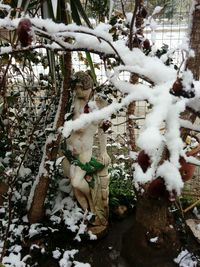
78,12
187,199
3,140
98,9
120,188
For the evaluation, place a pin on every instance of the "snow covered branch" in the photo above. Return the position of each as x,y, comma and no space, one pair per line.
166,108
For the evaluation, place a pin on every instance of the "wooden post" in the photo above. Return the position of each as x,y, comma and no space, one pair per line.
36,210
193,63
134,42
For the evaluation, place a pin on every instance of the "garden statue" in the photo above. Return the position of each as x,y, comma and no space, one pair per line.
89,177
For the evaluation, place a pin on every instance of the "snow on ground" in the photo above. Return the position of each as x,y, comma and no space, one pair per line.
185,259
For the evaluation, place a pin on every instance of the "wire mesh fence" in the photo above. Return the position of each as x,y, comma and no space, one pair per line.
37,86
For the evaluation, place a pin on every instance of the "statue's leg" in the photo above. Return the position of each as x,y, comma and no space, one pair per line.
79,184
66,167
65,164
104,179
80,197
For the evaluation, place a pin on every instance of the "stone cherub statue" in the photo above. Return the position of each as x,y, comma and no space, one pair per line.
78,155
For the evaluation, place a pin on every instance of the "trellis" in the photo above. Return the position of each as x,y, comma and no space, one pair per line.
169,31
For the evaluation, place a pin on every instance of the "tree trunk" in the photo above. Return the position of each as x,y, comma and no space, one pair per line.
134,41
130,125
152,239
40,187
193,62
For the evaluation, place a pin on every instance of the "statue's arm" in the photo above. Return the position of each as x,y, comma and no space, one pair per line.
104,157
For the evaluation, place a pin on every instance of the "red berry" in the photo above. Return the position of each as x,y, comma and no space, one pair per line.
186,170
86,109
146,44
106,125
179,90
143,160
157,188
24,32
177,86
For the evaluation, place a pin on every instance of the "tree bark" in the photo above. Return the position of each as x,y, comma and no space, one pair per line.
134,42
130,125
39,191
193,62
152,239
153,233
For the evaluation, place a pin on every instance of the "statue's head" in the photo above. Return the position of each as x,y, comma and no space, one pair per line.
82,85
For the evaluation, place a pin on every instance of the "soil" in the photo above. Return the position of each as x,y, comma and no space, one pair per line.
117,248
106,251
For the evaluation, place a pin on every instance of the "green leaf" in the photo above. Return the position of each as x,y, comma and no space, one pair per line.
77,8
2,169
32,4
75,14
89,59
49,12
81,11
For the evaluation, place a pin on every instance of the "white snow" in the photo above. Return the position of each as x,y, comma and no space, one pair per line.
92,236
14,260
56,254
5,7
66,259
5,50
196,213
24,171
171,175
187,78
140,177
189,125
198,227
184,259
80,264
157,10
153,239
